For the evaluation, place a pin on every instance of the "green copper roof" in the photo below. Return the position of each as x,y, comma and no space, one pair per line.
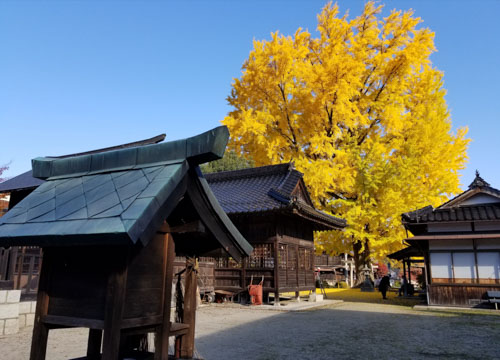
198,149
119,196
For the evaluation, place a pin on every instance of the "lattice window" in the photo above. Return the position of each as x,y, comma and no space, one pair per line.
282,256
224,262
308,256
292,258
302,258
262,256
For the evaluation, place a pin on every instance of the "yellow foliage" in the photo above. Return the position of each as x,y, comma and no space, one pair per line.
361,112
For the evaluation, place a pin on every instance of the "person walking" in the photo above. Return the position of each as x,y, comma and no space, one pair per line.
384,285
404,287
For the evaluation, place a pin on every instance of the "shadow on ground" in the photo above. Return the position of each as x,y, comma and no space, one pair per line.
355,331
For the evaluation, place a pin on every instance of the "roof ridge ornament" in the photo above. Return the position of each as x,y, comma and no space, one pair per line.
478,182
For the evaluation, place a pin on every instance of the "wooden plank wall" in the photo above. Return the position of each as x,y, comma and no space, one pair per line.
456,295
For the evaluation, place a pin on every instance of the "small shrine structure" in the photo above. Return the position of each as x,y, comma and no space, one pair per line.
460,242
271,207
110,225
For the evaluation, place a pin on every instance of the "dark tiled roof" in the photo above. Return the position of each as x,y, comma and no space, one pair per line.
264,189
248,190
23,181
454,214
119,196
478,182
453,210
479,185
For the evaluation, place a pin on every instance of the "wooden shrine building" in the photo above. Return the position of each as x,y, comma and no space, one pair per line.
460,241
271,207
20,265
110,224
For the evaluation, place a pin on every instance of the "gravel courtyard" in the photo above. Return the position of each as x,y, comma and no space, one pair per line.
347,330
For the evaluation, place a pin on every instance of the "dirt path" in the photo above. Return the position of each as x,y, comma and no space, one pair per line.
343,331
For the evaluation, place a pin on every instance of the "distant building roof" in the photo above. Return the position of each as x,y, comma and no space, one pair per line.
406,253
479,202
120,196
20,182
462,213
267,189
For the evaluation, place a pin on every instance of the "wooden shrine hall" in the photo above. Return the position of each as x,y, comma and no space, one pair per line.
460,242
271,207
110,224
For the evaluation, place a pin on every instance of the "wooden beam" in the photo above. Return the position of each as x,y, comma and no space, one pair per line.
68,321
191,283
94,344
192,227
115,300
163,331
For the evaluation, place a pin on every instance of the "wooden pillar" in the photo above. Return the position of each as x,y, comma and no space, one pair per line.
4,261
30,273
40,330
94,344
115,299
297,265
162,334
187,345
12,263
243,274
20,269
276,272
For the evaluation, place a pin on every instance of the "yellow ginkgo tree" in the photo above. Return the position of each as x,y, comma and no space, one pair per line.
360,110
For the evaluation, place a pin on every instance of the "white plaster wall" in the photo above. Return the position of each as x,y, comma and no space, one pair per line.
480,199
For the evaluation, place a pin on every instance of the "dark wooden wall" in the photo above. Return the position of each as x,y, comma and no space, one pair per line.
292,266
458,295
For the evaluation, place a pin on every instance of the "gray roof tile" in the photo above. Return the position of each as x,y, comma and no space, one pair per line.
263,189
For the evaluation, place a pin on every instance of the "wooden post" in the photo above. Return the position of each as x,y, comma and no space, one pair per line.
20,269
4,260
162,334
408,279
276,272
40,330
30,273
187,345
297,266
12,264
94,344
243,274
115,299
404,269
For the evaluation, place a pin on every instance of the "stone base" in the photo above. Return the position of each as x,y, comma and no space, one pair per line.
315,297
9,311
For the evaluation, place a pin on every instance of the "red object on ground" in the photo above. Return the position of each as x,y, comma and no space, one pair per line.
255,292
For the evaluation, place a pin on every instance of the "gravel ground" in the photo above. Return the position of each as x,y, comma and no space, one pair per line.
342,331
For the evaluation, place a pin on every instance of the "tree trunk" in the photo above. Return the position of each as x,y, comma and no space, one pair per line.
361,258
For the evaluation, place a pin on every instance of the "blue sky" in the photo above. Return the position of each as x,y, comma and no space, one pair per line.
76,76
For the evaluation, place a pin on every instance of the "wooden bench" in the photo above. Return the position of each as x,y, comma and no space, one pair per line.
493,297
